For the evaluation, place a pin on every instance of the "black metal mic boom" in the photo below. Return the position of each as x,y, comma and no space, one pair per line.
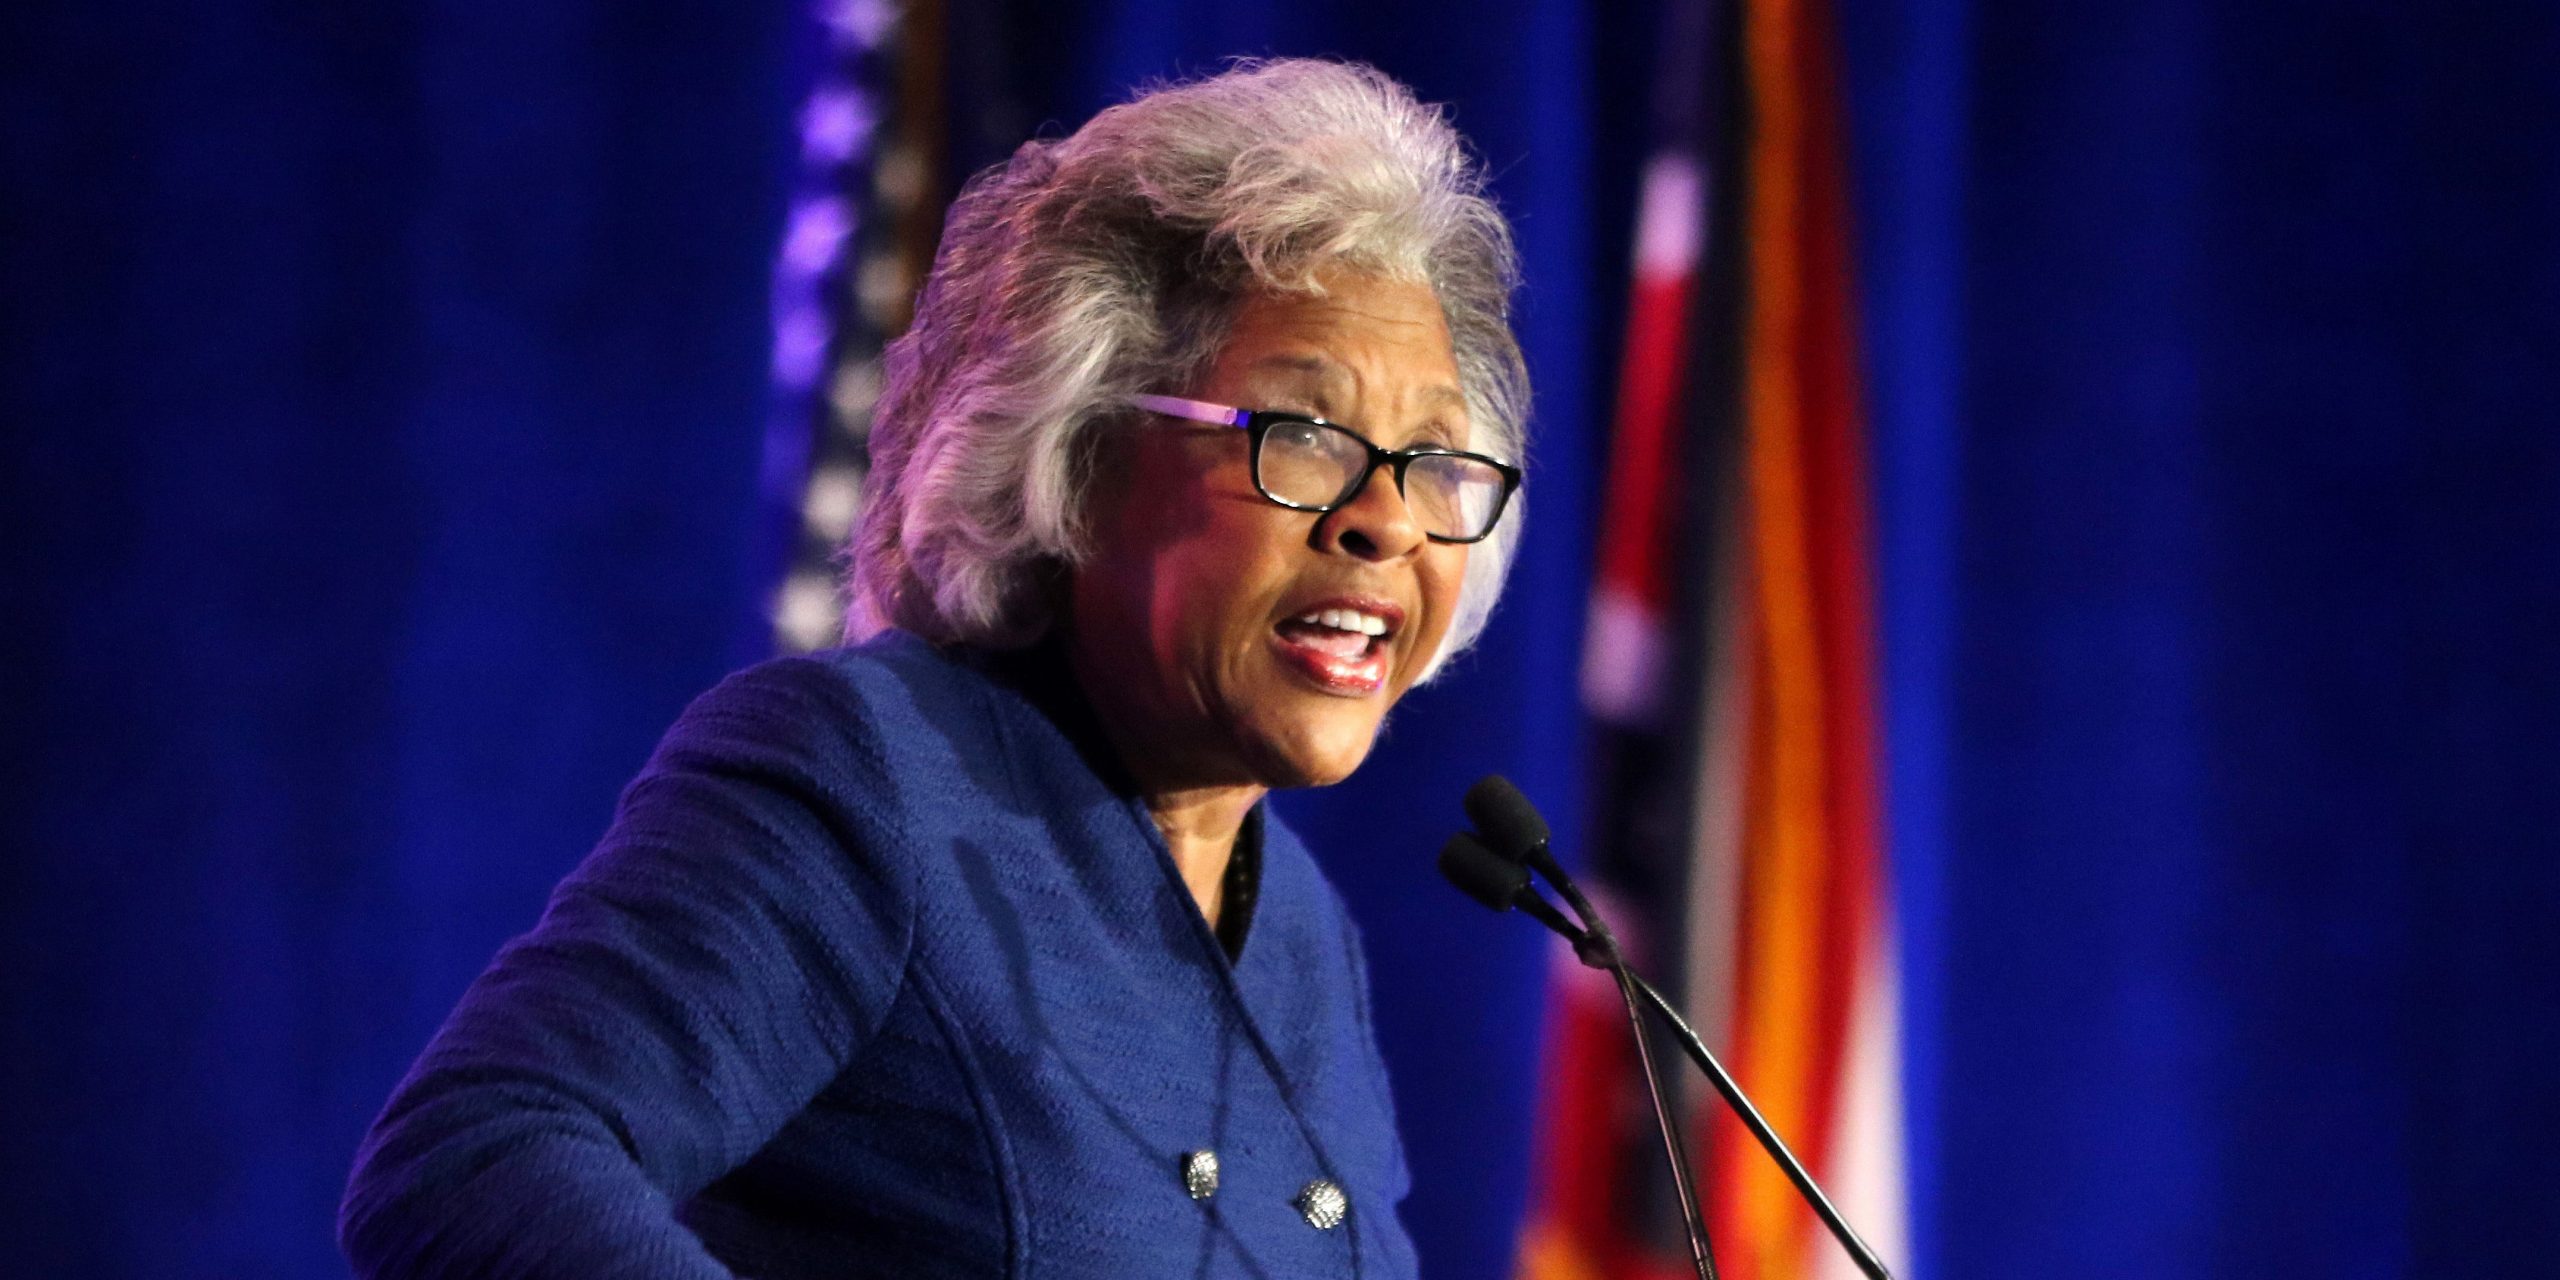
1517,834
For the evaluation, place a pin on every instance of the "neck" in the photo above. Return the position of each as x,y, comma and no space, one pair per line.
1198,815
1200,827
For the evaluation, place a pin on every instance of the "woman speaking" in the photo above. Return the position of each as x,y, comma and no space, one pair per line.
971,949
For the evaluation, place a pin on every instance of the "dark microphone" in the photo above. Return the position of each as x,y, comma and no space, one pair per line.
1517,834
1502,884
1500,880
1514,829
1505,816
1484,875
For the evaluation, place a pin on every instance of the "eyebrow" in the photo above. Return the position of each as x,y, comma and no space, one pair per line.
1330,372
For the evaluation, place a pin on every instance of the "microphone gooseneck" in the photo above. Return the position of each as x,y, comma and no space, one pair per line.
1517,835
1684,1184
1500,880
1740,1104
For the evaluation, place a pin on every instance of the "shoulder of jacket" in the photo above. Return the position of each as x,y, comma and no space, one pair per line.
889,678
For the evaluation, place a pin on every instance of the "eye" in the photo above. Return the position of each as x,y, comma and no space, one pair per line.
1439,435
1298,435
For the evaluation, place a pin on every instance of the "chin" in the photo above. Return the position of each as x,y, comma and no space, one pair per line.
1315,751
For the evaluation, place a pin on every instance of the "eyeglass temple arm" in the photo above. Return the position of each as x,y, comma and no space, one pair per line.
1193,410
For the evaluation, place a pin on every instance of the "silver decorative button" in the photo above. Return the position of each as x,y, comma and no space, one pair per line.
1200,1173
1323,1204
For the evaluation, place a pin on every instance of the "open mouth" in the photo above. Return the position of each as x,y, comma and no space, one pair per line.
1343,649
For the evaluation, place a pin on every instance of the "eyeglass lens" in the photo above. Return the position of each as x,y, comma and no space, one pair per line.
1309,464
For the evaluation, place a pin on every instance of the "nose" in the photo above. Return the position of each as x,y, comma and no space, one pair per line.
1376,524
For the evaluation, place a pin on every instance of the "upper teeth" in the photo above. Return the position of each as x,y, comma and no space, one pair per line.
1346,620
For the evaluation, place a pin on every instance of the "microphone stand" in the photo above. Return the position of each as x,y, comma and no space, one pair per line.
1590,943
1701,1255
1859,1253
1502,883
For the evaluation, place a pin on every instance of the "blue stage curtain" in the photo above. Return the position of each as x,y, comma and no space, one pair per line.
383,389
2214,360
386,392
382,399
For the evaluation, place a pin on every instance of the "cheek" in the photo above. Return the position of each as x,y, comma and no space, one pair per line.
1444,580
1142,581
1224,580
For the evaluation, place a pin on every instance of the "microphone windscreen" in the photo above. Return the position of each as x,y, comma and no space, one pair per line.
1510,823
1484,875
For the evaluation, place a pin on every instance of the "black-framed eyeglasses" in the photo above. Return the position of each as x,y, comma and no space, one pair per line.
1309,464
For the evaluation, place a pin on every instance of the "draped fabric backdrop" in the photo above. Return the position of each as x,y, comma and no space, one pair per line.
384,393
382,390
2213,358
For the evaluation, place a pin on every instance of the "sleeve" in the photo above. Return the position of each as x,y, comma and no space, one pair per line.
717,960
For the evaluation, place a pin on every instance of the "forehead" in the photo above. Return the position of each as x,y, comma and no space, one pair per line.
1382,344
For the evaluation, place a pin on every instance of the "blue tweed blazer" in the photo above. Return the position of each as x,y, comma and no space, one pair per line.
883,970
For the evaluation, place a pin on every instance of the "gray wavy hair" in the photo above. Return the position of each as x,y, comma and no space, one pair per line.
1109,264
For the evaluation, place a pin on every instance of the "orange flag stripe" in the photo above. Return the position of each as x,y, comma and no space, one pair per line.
1808,880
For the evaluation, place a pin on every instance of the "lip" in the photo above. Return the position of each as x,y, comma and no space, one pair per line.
1359,677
